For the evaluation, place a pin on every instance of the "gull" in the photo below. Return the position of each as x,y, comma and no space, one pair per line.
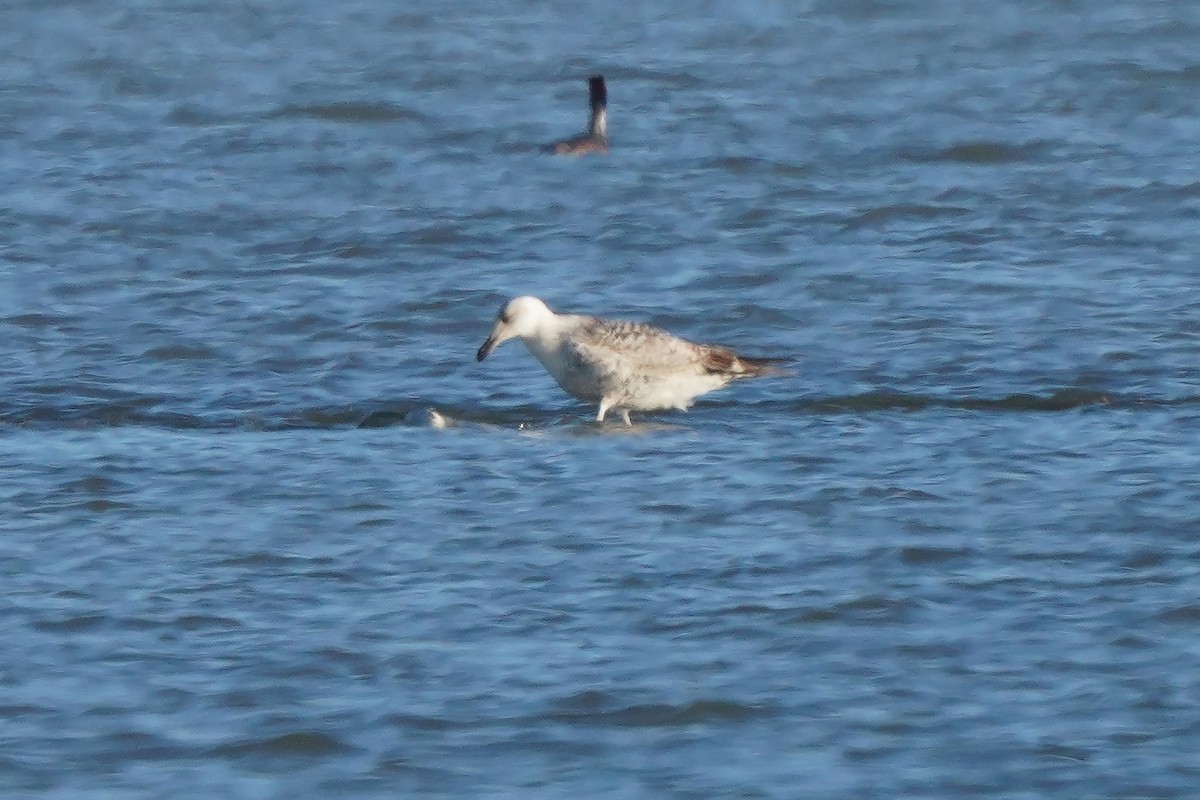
596,138
623,366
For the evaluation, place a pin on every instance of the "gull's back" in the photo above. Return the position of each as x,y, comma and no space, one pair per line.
641,367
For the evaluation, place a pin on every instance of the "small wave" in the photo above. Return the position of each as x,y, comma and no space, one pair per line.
153,413
1159,77
1188,615
1059,400
197,622
36,321
260,559
743,165
864,610
736,165
26,710
596,708
149,412
983,153
921,555
904,212
104,415
71,624
304,744
347,112
179,352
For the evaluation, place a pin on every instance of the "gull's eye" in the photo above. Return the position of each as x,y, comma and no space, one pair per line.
504,317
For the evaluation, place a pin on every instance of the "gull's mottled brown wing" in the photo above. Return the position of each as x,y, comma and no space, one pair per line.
640,348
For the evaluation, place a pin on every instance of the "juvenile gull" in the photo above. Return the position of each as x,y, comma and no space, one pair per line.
595,140
623,366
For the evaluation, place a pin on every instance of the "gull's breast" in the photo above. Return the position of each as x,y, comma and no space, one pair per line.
576,376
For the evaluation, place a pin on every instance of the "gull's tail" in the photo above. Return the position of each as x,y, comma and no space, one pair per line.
723,361
764,367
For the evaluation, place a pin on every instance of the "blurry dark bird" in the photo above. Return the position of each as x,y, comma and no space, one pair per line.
596,138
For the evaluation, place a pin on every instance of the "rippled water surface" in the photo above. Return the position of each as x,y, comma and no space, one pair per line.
246,247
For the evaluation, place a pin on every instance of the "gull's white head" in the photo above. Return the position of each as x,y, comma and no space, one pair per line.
521,317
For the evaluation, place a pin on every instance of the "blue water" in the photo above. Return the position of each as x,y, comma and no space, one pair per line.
244,247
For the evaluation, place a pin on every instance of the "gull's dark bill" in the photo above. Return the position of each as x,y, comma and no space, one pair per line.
486,348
